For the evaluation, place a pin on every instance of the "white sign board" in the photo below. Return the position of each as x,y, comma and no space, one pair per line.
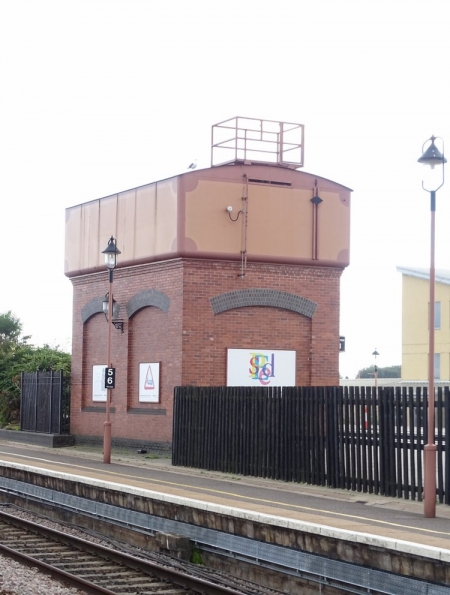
149,382
98,383
260,367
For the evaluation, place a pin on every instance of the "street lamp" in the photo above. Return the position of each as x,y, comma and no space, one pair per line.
117,322
432,157
111,251
375,368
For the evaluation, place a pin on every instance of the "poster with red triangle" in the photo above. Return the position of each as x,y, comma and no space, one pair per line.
149,382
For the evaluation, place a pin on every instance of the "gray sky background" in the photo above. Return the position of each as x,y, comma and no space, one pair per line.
98,96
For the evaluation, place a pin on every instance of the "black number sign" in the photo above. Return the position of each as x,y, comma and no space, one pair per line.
110,378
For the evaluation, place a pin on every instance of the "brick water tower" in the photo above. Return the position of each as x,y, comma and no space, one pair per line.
228,275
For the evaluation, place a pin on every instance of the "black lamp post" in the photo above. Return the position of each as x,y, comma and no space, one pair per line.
432,157
111,251
375,368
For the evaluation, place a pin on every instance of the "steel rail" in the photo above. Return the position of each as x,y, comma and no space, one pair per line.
56,573
146,567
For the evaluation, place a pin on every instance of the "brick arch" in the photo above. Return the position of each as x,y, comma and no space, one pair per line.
149,297
263,297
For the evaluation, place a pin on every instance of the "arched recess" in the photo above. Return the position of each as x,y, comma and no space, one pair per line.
93,340
263,297
149,319
149,297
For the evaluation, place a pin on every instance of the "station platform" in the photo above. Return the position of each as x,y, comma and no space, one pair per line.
358,512
394,525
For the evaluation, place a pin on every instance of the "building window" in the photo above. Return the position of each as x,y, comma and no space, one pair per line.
437,366
437,315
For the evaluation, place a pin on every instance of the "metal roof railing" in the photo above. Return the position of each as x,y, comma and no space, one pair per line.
251,140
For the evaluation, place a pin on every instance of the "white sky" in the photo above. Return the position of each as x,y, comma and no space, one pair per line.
98,96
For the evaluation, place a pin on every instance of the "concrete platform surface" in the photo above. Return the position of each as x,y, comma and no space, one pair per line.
389,520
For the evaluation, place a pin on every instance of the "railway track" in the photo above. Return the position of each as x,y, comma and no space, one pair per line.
97,569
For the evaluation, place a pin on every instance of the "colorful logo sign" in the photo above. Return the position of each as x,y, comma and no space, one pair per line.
262,367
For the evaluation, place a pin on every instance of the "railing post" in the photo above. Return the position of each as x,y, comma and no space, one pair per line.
21,399
60,401
36,394
50,409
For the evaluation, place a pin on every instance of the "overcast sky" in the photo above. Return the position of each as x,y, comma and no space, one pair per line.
98,96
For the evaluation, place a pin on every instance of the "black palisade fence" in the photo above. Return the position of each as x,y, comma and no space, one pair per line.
353,438
45,403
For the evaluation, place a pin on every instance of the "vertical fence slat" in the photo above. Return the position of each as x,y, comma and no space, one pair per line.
321,436
398,441
422,431
22,403
36,401
369,439
376,442
314,433
330,441
287,435
274,432
243,435
347,437
352,439
440,441
405,445
175,420
412,440
298,434
313,436
253,434
340,468
382,443
392,442
306,477
364,430
207,437
447,446
387,454
357,431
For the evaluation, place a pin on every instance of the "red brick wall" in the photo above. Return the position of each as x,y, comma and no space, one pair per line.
150,335
207,336
191,341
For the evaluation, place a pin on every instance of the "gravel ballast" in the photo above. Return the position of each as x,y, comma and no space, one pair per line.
16,579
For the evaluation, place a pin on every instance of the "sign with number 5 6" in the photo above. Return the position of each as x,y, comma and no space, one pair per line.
110,378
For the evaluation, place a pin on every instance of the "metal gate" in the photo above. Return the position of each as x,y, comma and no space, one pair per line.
44,403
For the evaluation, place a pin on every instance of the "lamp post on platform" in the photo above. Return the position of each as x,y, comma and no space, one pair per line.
111,251
375,368
432,157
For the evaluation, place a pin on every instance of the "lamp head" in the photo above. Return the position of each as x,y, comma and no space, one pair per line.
432,156
115,307
111,251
